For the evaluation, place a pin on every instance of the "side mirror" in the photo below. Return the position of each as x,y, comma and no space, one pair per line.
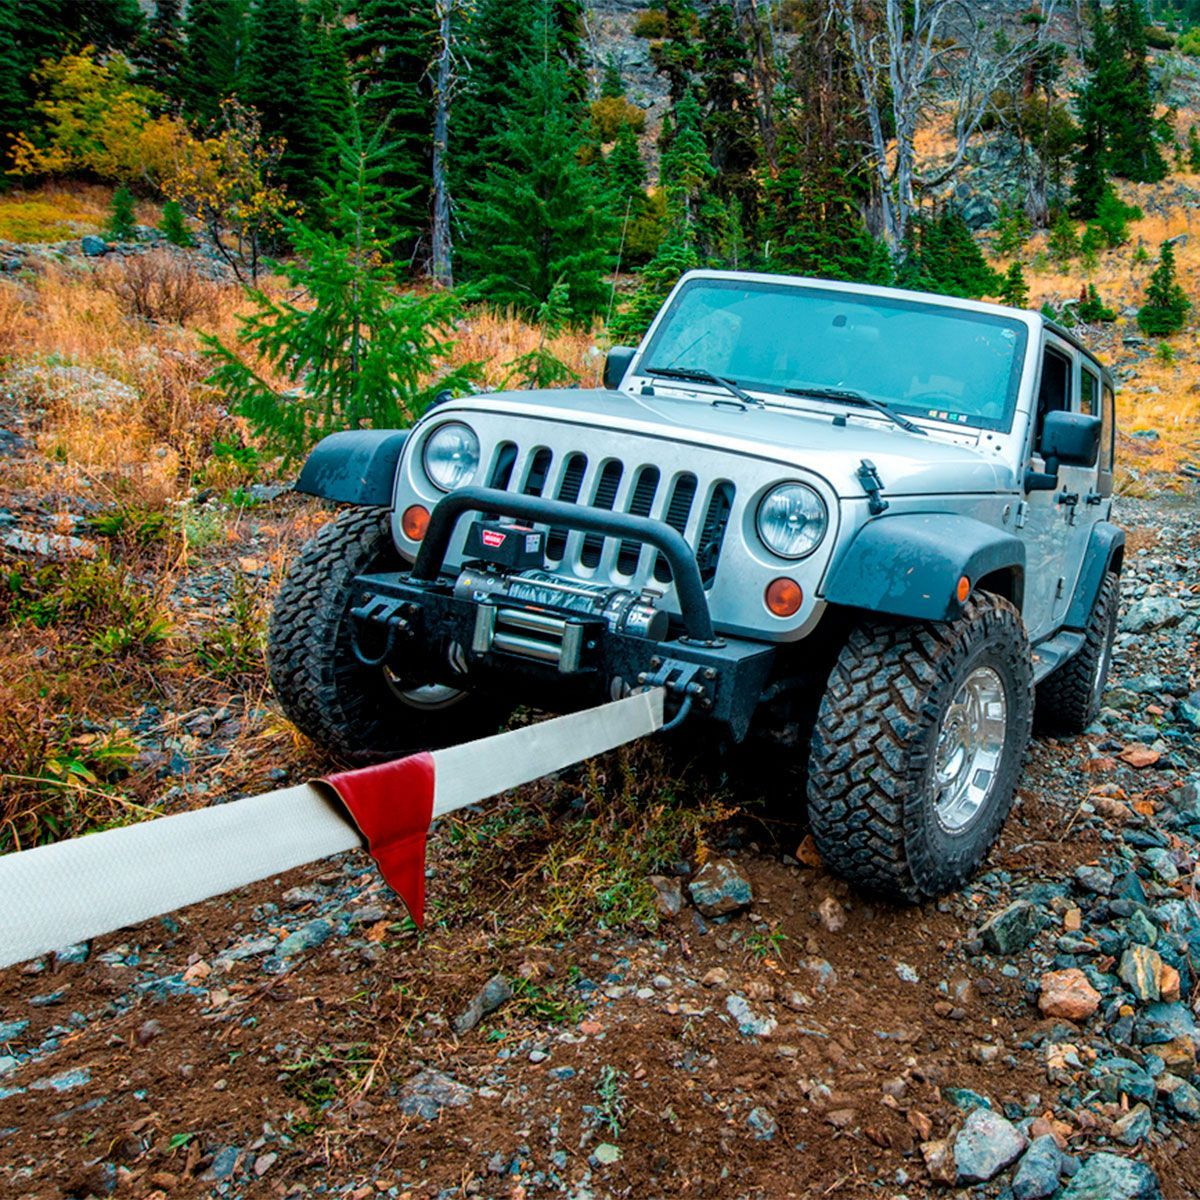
1070,439
616,363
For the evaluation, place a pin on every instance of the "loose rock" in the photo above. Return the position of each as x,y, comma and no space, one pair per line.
985,1145
494,993
1068,994
1012,928
719,888
428,1092
1037,1174
1110,1177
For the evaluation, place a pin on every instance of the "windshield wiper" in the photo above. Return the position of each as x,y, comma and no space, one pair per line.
848,397
701,375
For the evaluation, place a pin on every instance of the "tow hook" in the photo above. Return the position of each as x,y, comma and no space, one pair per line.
679,679
377,610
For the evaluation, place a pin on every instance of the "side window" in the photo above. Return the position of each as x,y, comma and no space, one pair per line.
1089,393
1054,392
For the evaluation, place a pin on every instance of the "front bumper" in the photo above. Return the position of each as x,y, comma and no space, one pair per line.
487,628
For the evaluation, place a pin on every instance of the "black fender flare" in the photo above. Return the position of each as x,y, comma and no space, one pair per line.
909,565
1105,552
357,466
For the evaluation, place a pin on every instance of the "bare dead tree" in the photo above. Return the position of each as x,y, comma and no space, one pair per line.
444,86
912,61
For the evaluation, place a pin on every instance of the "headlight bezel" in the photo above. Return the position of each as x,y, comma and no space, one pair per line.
430,441
820,519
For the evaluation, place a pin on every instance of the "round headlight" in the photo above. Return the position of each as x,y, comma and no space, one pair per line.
792,520
451,456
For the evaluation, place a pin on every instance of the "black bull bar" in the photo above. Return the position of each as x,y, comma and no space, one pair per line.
685,574
415,614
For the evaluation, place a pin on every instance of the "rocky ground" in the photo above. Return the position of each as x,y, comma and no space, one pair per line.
763,1033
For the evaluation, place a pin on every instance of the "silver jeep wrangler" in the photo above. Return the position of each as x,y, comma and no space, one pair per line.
870,522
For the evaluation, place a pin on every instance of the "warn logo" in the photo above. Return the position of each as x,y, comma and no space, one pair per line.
493,538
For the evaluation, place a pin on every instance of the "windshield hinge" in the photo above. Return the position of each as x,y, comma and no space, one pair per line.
868,476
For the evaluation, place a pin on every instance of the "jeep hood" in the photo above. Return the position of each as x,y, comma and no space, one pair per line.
908,464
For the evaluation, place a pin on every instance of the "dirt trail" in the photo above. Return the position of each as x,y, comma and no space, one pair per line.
296,1038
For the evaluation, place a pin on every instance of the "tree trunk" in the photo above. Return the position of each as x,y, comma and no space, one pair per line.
443,248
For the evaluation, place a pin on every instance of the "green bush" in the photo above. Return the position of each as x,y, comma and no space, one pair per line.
1092,310
1189,43
1158,38
650,24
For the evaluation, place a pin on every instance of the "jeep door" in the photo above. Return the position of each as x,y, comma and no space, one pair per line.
1057,522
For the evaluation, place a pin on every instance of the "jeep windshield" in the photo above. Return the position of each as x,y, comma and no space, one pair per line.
920,359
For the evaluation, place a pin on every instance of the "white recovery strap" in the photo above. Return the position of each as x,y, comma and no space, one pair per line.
56,895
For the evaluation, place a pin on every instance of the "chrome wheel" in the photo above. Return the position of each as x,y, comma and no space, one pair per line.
431,697
970,745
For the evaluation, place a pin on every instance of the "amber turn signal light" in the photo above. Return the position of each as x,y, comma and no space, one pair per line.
784,597
415,521
963,590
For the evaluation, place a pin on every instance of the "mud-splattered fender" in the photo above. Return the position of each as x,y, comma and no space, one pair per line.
1105,552
909,565
354,467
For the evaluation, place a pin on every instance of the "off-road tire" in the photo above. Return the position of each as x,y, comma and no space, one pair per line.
350,709
1068,699
871,793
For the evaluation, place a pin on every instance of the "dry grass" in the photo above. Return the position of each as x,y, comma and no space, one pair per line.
56,213
495,339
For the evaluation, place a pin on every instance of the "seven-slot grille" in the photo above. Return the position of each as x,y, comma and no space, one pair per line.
700,512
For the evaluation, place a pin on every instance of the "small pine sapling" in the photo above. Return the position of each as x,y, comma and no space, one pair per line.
1090,245
173,226
1063,243
353,349
1113,216
1167,306
541,367
1091,309
122,224
1015,291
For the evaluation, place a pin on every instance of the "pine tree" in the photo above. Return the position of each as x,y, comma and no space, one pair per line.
1091,309
1113,216
685,168
163,48
1167,306
214,36
612,86
121,220
675,256
331,97
1116,106
1063,242
942,256
636,212
677,56
1193,149
392,49
539,217
1015,291
173,227
277,81
501,38
729,123
361,353
815,227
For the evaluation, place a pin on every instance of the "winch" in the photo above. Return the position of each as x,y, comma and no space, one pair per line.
540,615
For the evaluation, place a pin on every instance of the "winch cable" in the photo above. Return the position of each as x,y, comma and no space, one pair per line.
67,892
